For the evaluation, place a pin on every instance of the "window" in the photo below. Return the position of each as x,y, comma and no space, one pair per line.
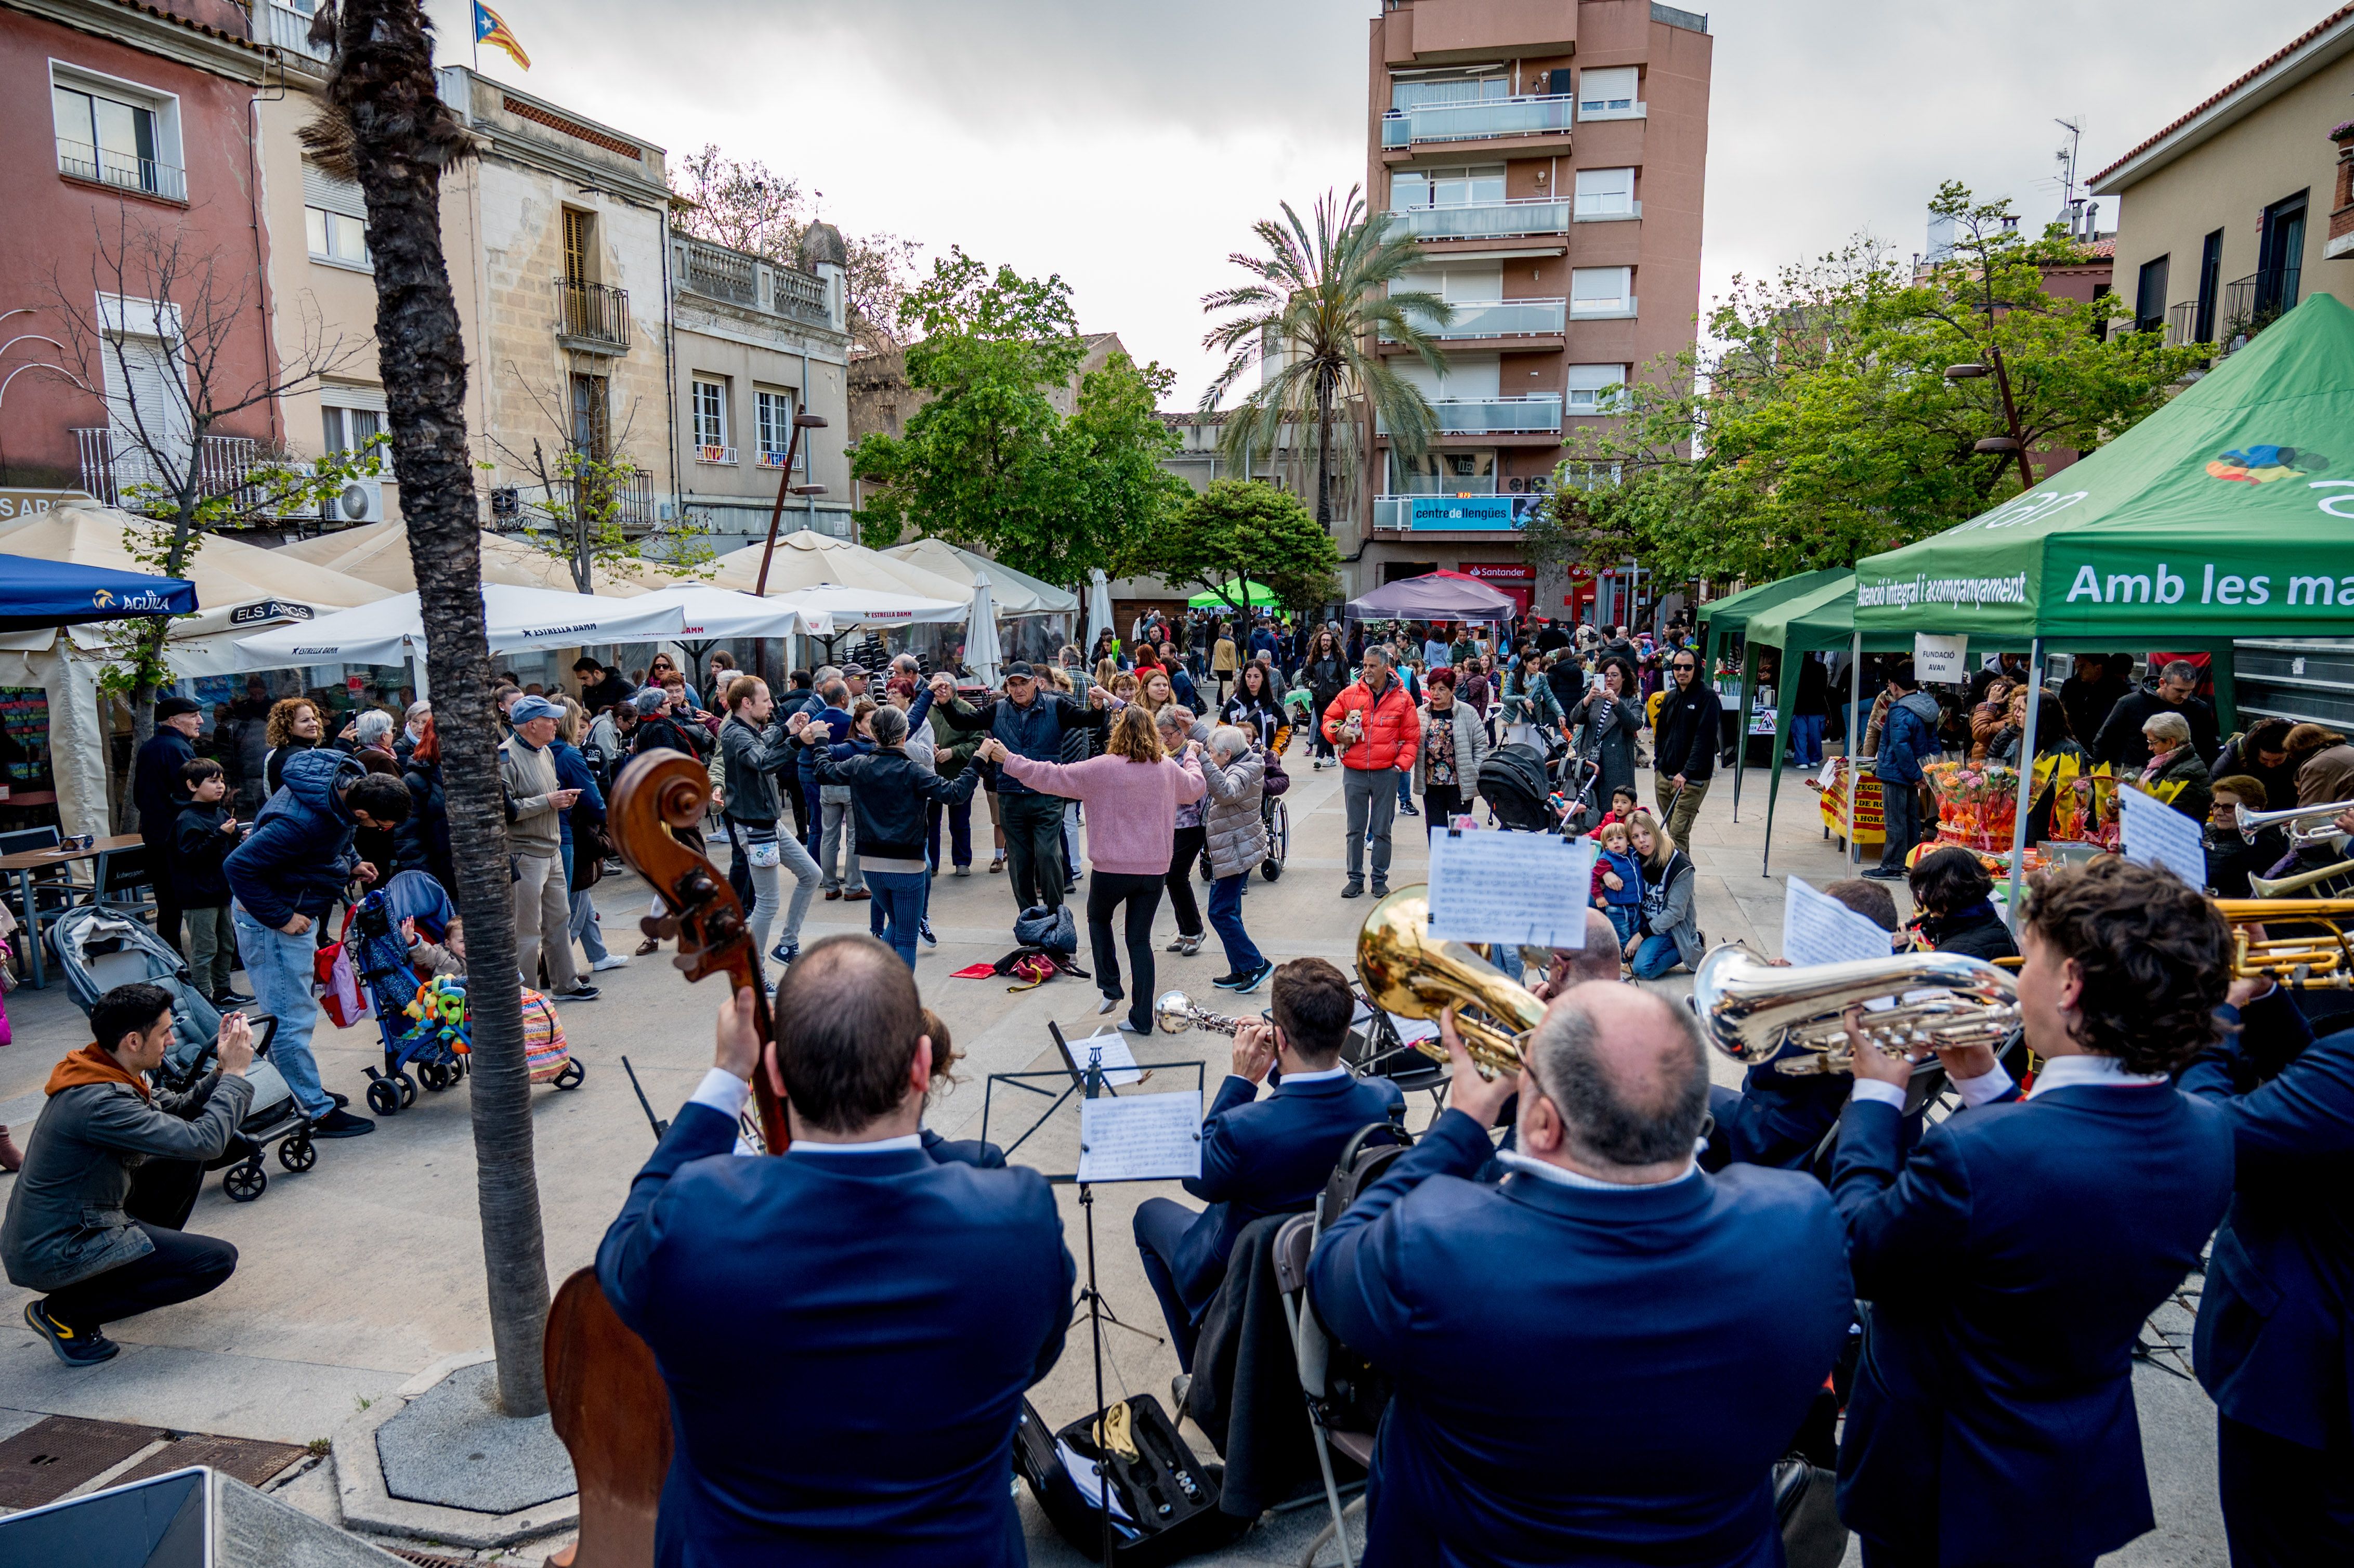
1444,473
349,430
773,410
2149,296
2280,256
1604,92
2211,275
1405,96
117,134
579,246
1476,186
1456,285
1602,292
1605,193
711,422
1592,388
592,430
334,217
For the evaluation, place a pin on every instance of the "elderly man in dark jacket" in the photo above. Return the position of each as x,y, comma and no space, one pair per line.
68,1232
155,788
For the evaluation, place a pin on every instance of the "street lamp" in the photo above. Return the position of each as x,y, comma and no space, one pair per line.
802,420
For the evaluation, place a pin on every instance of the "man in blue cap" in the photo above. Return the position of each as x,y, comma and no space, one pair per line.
536,801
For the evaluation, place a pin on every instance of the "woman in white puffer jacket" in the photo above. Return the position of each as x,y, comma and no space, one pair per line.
1234,774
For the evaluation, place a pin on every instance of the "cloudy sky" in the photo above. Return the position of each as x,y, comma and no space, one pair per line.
1129,146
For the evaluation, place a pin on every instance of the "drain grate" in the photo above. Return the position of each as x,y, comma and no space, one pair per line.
428,1559
52,1457
248,1460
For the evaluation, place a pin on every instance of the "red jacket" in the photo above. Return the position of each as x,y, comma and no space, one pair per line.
1393,728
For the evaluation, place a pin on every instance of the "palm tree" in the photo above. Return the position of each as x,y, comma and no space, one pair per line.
384,123
1310,319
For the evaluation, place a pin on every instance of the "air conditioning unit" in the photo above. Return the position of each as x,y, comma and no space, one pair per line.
505,502
1516,484
1539,484
360,500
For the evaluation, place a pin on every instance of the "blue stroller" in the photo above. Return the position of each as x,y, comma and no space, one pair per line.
379,956
99,950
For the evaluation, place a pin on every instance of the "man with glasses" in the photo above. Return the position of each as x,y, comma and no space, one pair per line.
1684,747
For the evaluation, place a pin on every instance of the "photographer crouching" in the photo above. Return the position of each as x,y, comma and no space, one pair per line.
76,1227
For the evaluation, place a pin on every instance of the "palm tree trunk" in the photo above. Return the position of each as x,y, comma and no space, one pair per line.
1324,451
401,135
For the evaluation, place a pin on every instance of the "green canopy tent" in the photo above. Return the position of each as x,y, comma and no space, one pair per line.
1257,596
1729,615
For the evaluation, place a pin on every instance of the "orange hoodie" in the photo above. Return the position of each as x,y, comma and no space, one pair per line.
92,1065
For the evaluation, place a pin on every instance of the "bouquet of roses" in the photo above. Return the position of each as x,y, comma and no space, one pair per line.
1978,803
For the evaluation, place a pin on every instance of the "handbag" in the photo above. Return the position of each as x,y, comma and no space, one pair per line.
739,865
341,995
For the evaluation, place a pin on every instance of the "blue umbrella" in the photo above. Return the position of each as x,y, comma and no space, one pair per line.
35,593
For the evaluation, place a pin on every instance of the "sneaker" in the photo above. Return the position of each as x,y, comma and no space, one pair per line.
1381,890
1355,890
75,1347
924,930
235,999
1228,981
1109,1004
1407,807
609,961
1257,977
651,944
965,871
855,893
785,952
341,1123
1126,1027
1882,874
1179,1387
577,993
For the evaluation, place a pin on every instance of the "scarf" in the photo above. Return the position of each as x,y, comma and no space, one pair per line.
92,1065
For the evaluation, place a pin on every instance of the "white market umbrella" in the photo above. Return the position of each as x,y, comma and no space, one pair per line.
843,607
982,653
1098,609
1014,593
809,559
713,614
390,630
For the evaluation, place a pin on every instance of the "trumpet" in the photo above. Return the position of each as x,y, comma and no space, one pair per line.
2283,886
2323,960
1753,1011
2251,823
1175,1012
1407,972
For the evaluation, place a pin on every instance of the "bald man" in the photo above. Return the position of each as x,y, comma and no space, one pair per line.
1597,960
1604,1243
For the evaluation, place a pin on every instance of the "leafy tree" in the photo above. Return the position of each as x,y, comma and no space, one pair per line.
991,462
575,510
1240,530
383,123
1310,320
746,204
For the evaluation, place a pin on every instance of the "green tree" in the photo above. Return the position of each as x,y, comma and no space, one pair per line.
1310,319
989,462
1245,530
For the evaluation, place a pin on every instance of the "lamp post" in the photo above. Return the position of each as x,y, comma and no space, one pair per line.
802,420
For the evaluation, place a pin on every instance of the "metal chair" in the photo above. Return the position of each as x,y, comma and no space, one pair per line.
1313,1347
45,895
125,882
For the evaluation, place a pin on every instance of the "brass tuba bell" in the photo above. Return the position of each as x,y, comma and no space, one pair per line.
1407,972
1751,1010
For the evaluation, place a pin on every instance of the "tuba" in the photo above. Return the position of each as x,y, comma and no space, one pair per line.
1407,972
1753,1011
2320,959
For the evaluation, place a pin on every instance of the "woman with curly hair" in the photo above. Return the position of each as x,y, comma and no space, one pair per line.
294,726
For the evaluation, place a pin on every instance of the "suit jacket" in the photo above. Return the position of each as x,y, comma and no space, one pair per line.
966,1151
2010,1260
846,1340
1775,1121
1268,1156
1658,1350
2275,1338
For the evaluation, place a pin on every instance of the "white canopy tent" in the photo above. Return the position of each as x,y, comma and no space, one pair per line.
809,559
379,553
982,653
846,609
1012,592
392,631
713,613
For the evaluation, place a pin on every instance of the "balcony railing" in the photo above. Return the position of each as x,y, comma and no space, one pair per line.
715,454
1503,318
1443,484
717,272
2182,323
1486,220
632,495
1396,512
82,161
1480,120
593,315
794,292
1496,415
114,465
772,460
287,29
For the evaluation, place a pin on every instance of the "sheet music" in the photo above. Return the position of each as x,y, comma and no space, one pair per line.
1083,1475
1818,929
1119,1066
2157,834
1525,888
1141,1138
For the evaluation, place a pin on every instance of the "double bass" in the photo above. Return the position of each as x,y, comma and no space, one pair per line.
605,1392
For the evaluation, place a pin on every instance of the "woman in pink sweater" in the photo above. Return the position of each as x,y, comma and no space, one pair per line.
1132,792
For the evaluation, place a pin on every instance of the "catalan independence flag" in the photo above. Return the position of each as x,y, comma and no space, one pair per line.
490,28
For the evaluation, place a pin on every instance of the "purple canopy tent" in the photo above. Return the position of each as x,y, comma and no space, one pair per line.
1434,598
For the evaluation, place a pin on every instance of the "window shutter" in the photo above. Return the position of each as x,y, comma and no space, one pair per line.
332,192
352,394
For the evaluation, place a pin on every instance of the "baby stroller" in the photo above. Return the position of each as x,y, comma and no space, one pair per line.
99,950
1517,788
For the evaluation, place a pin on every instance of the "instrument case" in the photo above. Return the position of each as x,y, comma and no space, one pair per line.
1172,1500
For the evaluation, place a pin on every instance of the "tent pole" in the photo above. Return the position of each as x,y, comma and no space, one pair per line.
2026,782
1785,698
1854,742
1741,720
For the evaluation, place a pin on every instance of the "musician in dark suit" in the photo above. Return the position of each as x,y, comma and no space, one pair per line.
846,1329
2273,1342
945,1056
2011,1259
1262,1157
1601,1357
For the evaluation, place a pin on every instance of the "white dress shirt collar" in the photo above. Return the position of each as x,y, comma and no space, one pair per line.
2078,1071
1316,1078
877,1145
726,1092
1544,1171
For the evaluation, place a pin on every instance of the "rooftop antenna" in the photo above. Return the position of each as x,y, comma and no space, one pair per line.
2070,212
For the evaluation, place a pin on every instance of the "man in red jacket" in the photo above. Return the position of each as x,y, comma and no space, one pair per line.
1374,725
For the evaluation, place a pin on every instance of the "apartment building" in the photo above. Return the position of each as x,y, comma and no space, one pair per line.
1548,156
2243,205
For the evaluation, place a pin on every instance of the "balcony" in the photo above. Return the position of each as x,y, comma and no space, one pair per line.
2182,324
1485,120
774,461
286,29
1497,416
81,161
723,455
1501,319
629,492
1456,512
717,272
1486,220
115,465
592,318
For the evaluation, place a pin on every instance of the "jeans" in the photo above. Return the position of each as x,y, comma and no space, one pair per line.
1106,891
1625,919
1678,808
1806,739
1900,816
543,918
1180,880
1656,956
898,906
1441,803
1243,956
212,948
1405,788
181,1268
960,820
768,893
1160,1225
1371,804
840,835
1033,846
279,969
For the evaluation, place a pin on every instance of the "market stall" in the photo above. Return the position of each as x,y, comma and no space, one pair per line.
392,631
1433,598
379,553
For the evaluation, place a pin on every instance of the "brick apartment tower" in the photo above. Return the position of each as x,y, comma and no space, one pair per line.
1548,155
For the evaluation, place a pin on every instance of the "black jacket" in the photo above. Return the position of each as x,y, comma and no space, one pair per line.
663,733
2120,744
198,847
155,784
422,842
1688,733
889,790
1978,932
755,759
1814,700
